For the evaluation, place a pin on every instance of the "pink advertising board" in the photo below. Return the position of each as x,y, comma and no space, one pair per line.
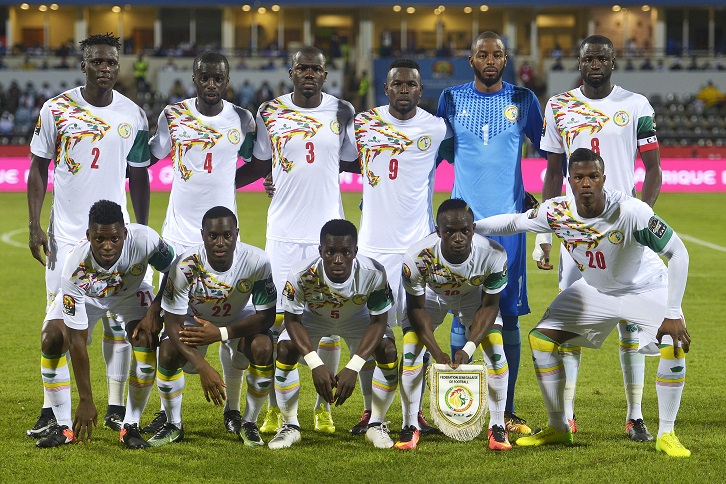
679,175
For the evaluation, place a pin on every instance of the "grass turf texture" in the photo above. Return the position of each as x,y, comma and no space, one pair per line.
601,451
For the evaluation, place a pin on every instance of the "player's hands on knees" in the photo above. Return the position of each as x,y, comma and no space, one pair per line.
206,334
150,324
676,329
324,383
213,385
269,185
86,419
37,241
345,384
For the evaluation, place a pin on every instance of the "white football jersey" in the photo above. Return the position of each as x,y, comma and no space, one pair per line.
194,286
398,163
84,279
306,146
615,127
308,291
91,147
615,251
484,270
204,151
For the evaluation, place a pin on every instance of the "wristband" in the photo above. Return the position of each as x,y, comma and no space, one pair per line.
313,360
223,333
356,363
469,348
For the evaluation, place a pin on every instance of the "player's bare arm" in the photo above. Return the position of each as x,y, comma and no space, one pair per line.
653,176
252,171
37,186
322,377
424,328
212,383
481,324
552,187
347,377
86,414
208,333
140,193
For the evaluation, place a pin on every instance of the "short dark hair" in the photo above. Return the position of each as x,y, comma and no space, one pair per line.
339,228
218,212
405,64
597,40
105,212
451,205
581,155
100,39
308,49
488,34
210,57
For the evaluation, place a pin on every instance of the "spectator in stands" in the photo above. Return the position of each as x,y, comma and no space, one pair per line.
27,64
527,76
141,69
283,88
364,85
13,97
557,66
629,65
660,66
693,66
647,65
63,64
556,52
177,92
710,97
264,93
170,65
247,96
677,65
7,124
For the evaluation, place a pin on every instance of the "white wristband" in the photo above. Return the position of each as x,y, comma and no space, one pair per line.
469,348
313,360
223,333
356,363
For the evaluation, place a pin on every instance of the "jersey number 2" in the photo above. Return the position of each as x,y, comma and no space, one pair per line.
96,153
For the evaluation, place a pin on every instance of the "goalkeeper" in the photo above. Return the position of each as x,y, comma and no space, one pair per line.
454,269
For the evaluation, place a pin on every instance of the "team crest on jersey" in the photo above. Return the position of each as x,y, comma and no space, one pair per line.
244,285
423,143
511,113
621,118
335,126
616,237
124,129
137,269
657,226
477,280
233,136
69,305
289,291
406,273
360,299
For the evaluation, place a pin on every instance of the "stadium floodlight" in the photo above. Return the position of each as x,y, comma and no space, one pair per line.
467,9
396,8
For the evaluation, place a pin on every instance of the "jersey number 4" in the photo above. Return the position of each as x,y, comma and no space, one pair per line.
208,163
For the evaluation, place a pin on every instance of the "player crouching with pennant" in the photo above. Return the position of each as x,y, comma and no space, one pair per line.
455,269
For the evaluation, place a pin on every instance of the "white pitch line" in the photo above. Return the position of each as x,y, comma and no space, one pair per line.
702,242
7,237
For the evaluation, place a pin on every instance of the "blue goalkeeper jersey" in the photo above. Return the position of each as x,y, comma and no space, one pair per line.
489,133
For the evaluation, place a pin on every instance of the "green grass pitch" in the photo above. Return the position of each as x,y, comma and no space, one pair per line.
601,451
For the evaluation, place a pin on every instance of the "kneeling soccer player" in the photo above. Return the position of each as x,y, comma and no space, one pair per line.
214,282
615,240
454,270
340,293
103,273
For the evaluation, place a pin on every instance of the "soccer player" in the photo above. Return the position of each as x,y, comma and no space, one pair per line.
206,136
490,119
92,134
397,147
338,292
103,273
302,140
617,124
455,270
214,281
615,240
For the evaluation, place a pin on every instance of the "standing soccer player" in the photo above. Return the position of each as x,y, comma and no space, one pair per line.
215,281
490,118
616,124
456,270
337,292
397,147
103,273
615,240
302,140
92,134
206,136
